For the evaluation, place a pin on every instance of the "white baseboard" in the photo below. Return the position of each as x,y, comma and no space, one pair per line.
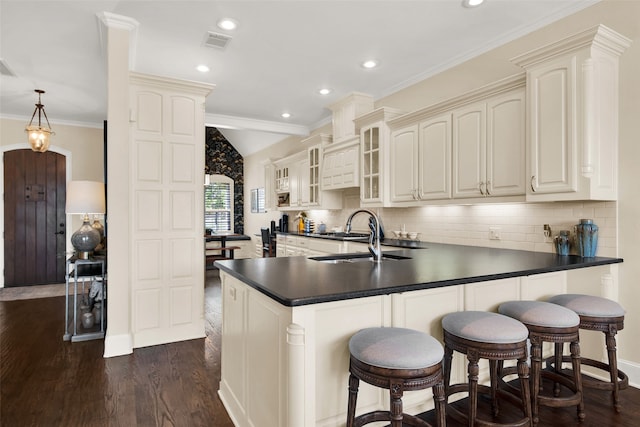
118,345
632,370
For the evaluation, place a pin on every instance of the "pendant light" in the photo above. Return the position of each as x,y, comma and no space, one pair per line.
39,136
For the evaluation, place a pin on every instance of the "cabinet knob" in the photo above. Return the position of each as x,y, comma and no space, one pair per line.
533,177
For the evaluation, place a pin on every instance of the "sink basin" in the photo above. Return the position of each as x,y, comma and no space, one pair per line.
351,258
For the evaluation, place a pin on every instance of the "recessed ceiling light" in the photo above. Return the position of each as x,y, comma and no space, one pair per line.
285,115
227,24
324,91
472,3
371,63
202,68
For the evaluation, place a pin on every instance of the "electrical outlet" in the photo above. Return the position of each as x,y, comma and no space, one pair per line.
494,233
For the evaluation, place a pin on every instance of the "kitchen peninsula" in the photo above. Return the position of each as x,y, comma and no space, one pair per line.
287,321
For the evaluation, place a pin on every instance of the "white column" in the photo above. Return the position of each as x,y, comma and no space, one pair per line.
295,384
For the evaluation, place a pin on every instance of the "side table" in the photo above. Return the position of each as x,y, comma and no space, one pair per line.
81,271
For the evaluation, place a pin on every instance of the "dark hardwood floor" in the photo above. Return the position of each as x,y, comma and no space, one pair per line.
45,381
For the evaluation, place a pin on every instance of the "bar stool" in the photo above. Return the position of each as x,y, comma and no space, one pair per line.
604,315
399,360
548,322
484,335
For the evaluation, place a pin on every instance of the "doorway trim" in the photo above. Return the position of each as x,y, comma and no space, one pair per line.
21,146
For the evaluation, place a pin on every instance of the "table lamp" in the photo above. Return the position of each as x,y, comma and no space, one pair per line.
84,198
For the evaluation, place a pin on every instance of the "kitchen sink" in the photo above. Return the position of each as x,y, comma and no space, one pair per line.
359,257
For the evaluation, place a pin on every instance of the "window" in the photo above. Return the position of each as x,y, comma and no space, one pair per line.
218,204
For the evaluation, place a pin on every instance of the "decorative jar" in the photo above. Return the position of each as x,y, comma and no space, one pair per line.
587,238
562,242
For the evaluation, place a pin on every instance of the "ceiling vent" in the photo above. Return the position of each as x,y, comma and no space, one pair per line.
217,40
4,69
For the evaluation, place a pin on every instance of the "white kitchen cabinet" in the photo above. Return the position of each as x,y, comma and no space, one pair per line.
489,147
297,179
374,156
421,161
572,104
287,181
341,165
317,198
404,165
282,178
281,245
314,154
302,175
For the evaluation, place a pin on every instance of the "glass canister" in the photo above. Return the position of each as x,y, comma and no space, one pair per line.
587,238
562,242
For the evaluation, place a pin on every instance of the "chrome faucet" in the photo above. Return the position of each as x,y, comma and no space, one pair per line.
374,237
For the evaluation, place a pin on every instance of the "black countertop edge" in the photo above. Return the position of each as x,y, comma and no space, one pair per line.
572,262
228,237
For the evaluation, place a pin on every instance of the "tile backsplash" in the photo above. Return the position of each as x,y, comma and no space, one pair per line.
520,225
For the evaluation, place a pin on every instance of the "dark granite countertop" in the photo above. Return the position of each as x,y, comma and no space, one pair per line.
296,281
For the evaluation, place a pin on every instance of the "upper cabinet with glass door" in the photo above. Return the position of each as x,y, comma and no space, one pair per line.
374,154
317,198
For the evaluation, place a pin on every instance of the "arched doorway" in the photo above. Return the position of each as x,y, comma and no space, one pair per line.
34,220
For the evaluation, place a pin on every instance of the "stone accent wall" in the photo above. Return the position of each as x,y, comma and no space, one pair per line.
223,159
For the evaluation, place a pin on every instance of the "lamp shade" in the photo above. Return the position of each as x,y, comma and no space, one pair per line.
85,197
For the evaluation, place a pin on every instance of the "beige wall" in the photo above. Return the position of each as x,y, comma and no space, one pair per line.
467,224
84,143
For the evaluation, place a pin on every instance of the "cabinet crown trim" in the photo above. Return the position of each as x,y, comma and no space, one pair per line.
379,114
516,81
600,36
321,138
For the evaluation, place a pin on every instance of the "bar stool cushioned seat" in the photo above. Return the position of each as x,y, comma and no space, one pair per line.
607,316
397,359
548,322
484,335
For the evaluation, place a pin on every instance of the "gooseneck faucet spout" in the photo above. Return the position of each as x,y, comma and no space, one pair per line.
374,237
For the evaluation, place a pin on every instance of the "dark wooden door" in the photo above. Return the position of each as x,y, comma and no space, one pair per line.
34,217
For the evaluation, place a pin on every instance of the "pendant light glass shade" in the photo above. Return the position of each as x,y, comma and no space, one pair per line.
39,135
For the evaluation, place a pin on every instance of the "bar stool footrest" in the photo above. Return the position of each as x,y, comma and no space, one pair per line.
370,417
589,381
485,391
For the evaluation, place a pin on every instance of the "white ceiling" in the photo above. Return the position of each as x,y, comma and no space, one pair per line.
280,54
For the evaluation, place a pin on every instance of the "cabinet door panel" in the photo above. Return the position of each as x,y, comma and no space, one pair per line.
506,145
552,101
434,179
469,151
404,151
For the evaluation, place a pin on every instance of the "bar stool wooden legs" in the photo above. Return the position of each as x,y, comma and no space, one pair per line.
483,335
606,316
399,360
548,322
